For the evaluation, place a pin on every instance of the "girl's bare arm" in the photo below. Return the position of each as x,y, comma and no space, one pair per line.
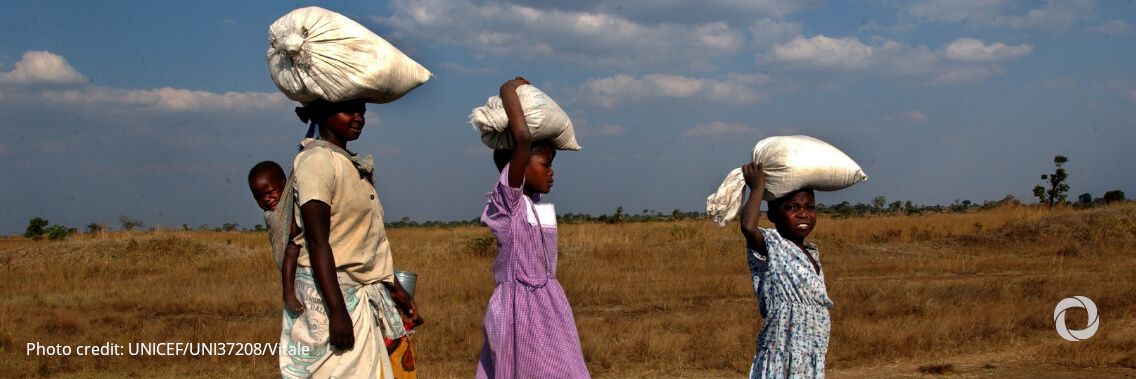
518,129
754,175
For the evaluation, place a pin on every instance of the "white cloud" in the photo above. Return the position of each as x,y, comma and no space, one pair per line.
962,61
969,49
168,99
42,67
610,91
956,11
973,74
999,13
909,116
468,71
585,38
1114,27
1058,14
821,51
768,32
1064,82
611,130
718,128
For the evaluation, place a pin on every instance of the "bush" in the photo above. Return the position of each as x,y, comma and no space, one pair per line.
59,232
1114,195
129,224
35,228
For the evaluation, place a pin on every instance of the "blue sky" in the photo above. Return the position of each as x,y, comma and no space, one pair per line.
156,110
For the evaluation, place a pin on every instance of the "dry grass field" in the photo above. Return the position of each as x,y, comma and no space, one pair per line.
934,295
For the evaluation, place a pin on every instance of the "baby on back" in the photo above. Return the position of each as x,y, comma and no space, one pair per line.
267,183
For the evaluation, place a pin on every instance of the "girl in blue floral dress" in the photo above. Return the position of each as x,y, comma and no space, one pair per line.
788,281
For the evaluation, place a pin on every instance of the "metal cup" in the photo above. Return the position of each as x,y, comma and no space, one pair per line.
407,280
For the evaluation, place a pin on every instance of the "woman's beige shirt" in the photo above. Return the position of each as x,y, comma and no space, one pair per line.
357,237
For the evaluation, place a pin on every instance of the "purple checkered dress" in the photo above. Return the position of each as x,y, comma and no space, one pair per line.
529,329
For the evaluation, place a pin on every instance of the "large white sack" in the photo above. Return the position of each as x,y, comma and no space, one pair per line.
791,163
545,118
315,54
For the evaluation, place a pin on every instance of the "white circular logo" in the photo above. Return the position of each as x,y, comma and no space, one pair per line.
1076,302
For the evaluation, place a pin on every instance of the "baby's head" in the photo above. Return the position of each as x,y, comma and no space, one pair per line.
538,174
794,214
266,180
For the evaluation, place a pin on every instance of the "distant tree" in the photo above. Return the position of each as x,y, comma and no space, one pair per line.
966,203
185,227
258,228
895,206
94,227
676,214
35,228
1058,190
1085,199
203,227
878,203
910,208
129,223
59,232
1114,195
229,226
618,216
959,207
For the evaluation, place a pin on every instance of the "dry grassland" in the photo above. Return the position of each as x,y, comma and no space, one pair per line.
939,294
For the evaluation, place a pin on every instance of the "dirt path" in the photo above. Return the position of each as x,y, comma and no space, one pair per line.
989,365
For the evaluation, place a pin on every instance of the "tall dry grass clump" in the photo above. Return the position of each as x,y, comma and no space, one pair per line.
664,299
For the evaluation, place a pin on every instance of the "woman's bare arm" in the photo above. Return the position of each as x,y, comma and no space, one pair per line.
317,228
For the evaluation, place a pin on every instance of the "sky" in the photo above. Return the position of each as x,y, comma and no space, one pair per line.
156,110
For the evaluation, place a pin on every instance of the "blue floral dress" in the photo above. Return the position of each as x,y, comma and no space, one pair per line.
794,304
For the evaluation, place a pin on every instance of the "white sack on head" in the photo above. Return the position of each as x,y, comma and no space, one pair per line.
316,54
790,163
545,119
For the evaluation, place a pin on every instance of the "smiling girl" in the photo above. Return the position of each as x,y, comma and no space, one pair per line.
789,282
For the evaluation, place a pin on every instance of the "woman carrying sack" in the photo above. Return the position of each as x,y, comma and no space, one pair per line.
345,257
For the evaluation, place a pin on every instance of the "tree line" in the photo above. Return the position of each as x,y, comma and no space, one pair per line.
1056,194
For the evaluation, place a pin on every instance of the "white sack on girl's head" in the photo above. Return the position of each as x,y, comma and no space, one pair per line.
545,118
315,54
791,163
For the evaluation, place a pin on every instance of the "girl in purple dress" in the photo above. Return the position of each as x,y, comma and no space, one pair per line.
529,329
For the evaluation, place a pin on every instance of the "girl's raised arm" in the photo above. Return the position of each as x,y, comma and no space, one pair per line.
518,129
754,174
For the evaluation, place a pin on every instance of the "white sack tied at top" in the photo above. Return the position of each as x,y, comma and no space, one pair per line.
545,119
317,54
790,163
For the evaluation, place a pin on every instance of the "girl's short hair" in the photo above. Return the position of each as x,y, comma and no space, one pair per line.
320,109
501,157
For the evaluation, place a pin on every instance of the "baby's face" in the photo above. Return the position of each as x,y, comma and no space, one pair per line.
266,191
